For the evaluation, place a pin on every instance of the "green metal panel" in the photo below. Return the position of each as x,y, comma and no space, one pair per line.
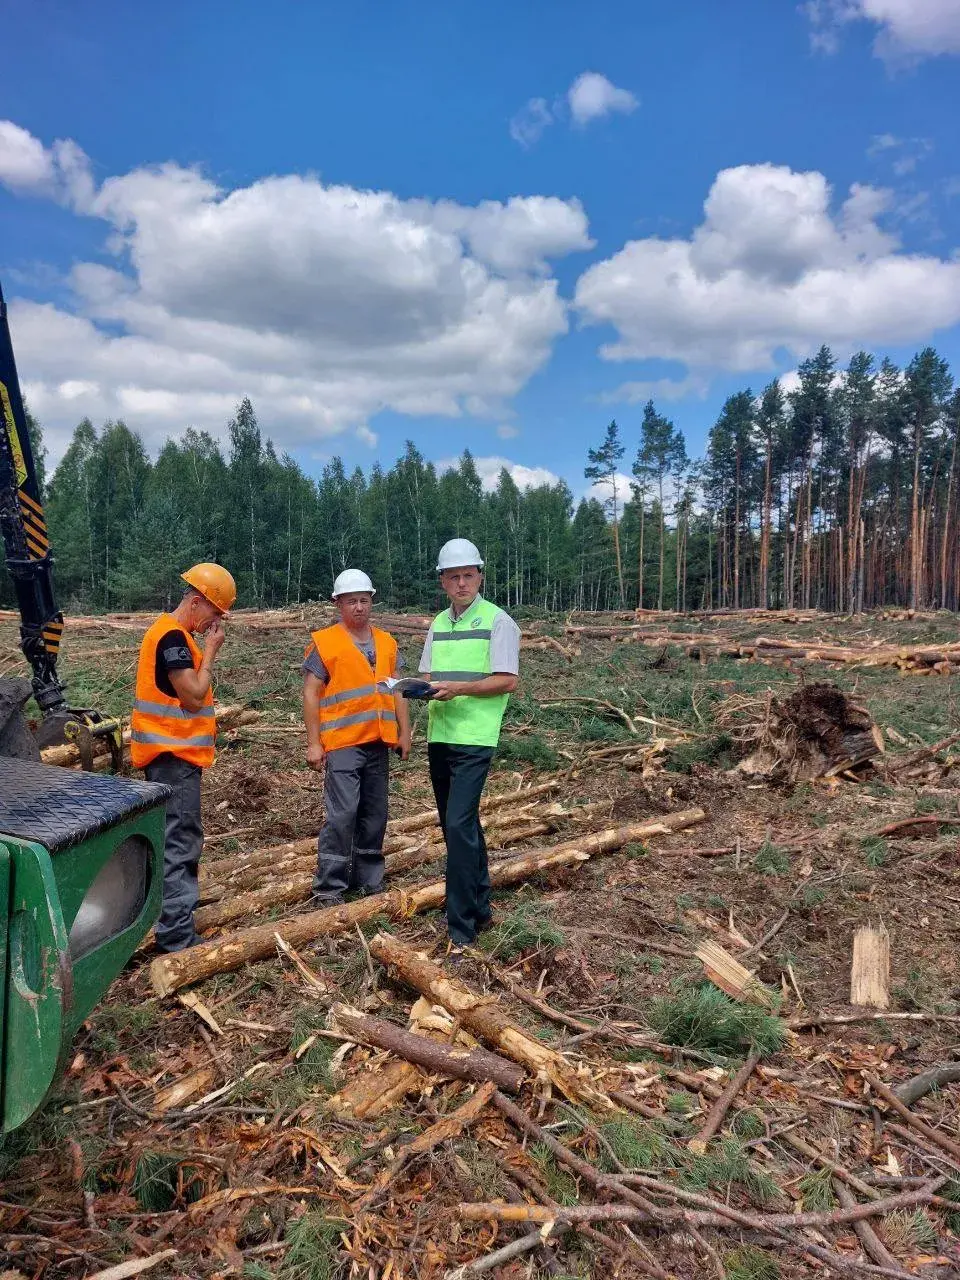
38,984
75,871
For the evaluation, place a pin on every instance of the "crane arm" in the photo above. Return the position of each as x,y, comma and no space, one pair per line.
26,543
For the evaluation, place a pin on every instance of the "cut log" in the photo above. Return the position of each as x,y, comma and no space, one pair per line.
370,1095
178,969
910,1091
276,893
68,754
462,1064
485,1018
870,970
285,890
417,821
250,870
731,976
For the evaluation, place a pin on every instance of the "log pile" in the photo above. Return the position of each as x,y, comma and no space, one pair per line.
654,1197
169,973
68,755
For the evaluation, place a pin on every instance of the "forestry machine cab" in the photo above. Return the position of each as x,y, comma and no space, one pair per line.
81,856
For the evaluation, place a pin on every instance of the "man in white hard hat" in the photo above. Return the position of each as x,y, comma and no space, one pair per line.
472,655
352,725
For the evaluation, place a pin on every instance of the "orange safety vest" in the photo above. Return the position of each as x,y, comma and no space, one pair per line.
351,709
159,723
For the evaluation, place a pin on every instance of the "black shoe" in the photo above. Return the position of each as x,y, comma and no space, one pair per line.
320,900
180,946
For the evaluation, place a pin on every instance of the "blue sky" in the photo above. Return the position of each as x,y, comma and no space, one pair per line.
487,226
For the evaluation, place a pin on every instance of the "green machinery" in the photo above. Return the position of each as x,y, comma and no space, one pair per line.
81,856
81,869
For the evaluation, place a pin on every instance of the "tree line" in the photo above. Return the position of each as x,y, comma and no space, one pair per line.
840,492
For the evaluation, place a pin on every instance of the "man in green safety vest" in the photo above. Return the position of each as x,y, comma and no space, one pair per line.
472,657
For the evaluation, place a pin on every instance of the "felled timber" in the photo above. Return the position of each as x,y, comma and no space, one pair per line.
178,969
485,1018
440,1059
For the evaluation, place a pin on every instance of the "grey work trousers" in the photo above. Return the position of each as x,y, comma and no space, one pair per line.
182,847
350,845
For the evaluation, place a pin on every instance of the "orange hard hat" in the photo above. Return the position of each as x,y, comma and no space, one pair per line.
214,583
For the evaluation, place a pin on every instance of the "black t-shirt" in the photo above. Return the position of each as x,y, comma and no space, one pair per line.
173,654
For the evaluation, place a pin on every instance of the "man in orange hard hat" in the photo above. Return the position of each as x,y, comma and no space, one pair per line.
173,732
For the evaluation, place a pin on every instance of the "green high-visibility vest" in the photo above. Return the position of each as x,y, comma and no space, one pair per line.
461,651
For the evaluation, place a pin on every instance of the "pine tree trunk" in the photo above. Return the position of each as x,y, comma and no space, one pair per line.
736,534
765,533
662,532
947,511
640,559
915,525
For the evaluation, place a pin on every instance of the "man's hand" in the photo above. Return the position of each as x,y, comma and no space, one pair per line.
404,744
444,690
213,641
315,757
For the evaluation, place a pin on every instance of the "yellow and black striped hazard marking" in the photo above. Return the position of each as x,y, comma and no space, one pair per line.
35,526
52,631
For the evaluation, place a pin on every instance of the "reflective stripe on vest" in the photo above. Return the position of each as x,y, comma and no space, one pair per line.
161,724
161,740
460,651
178,712
353,710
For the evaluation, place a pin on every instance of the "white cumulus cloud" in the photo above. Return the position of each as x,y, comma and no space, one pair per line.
592,96
490,466
528,125
772,267
324,303
907,28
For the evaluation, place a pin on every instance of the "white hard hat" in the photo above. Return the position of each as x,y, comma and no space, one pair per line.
352,580
458,553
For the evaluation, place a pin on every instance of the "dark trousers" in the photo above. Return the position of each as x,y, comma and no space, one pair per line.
182,847
355,799
458,775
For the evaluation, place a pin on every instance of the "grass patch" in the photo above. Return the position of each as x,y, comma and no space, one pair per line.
636,1144
876,851
704,1018
951,1191
906,1231
917,993
528,927
750,1263
817,1190
120,1025
681,1103
313,1249
558,1182
160,1180
930,804
716,750
727,1164
771,860
748,1124
528,748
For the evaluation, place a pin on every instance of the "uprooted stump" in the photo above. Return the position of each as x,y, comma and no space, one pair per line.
818,732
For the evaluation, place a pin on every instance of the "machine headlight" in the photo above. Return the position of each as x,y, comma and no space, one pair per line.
115,899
